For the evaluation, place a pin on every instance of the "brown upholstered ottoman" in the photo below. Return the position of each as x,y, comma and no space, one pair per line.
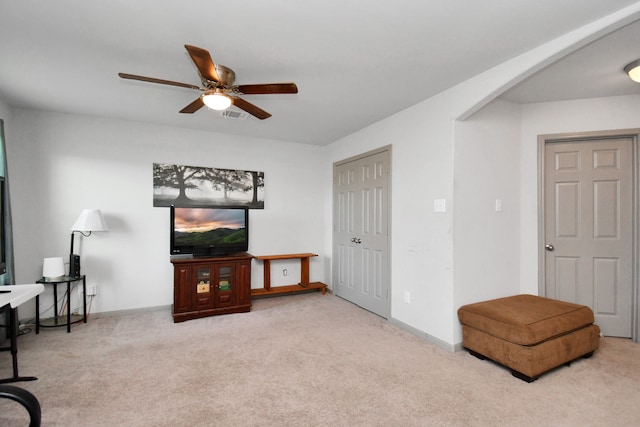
528,334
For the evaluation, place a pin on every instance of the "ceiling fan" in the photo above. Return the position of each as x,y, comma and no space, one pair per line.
218,86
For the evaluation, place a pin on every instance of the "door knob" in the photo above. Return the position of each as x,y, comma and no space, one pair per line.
549,247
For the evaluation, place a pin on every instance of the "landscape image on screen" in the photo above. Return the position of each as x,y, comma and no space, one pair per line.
201,227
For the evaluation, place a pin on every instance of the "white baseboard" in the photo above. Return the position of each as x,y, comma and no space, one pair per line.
442,344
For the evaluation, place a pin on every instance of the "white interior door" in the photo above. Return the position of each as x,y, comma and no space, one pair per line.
360,234
588,216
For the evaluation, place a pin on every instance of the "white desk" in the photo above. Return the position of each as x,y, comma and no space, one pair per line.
18,295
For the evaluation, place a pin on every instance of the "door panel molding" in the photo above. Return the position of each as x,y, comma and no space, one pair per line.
605,159
361,266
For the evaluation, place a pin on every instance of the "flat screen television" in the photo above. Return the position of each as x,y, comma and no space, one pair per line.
209,231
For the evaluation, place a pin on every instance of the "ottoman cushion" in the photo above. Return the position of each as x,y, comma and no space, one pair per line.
525,319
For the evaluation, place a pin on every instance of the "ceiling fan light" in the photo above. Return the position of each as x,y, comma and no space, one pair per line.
216,101
633,70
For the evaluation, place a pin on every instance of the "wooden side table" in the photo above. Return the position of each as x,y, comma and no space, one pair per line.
302,286
61,320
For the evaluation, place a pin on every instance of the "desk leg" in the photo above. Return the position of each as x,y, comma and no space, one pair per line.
55,300
68,307
13,325
84,299
37,314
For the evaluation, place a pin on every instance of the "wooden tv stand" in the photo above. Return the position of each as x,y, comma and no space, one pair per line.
209,286
304,284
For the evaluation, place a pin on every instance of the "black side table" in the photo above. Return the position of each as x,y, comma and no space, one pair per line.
61,320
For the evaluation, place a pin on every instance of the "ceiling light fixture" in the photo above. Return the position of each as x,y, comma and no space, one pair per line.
216,100
633,70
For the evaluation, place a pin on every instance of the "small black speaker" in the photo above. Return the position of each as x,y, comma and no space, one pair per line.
74,266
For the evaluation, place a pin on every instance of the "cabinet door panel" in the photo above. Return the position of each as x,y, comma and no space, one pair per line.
182,289
202,292
226,285
243,288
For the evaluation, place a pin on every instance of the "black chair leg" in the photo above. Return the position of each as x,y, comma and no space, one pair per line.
24,398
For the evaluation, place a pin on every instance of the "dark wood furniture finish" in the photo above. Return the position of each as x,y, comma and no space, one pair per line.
304,284
209,286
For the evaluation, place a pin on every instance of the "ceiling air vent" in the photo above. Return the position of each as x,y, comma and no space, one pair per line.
233,114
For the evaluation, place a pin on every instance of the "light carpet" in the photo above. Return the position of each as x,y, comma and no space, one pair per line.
303,360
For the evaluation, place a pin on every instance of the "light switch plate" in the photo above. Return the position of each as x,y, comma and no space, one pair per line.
440,205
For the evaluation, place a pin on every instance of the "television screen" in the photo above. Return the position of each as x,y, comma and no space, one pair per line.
206,231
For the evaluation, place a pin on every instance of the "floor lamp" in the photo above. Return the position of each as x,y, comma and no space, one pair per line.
89,220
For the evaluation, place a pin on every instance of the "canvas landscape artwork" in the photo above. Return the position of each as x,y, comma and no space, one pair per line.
184,186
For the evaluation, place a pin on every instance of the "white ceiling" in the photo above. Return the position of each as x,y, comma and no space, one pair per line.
594,71
354,61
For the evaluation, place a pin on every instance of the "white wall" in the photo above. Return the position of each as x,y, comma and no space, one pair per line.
421,244
5,112
559,117
470,174
486,242
60,164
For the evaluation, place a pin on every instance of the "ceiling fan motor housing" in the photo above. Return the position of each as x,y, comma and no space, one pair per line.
227,75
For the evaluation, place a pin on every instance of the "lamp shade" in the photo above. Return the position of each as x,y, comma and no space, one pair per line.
90,220
53,268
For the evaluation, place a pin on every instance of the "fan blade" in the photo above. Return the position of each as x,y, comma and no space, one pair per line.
203,62
260,89
193,107
250,108
154,80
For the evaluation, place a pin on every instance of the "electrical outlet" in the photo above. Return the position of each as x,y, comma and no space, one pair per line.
92,290
284,272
